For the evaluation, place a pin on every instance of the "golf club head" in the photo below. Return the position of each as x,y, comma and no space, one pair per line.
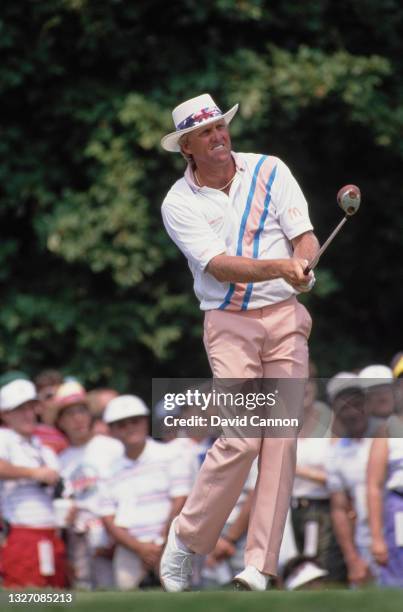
349,199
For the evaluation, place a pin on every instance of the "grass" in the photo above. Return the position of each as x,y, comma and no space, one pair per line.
218,601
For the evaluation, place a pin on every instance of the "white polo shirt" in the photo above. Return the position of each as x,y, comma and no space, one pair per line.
394,480
347,471
313,453
140,493
24,501
83,468
264,210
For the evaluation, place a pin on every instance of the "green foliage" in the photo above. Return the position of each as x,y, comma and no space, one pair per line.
90,282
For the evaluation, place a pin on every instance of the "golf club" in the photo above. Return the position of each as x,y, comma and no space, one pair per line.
349,200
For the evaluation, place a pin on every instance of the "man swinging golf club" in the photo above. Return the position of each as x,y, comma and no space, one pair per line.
242,222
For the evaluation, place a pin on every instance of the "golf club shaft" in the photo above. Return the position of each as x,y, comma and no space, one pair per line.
324,246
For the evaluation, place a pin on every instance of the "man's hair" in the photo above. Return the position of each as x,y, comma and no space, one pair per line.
188,158
48,378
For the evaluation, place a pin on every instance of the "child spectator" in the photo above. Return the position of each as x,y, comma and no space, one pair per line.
33,553
88,458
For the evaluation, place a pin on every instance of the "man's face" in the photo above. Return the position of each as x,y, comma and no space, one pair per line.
210,144
75,422
350,411
131,431
380,401
21,419
45,405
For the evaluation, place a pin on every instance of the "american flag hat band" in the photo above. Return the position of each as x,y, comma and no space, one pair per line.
193,114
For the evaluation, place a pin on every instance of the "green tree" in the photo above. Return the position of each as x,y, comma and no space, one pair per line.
90,282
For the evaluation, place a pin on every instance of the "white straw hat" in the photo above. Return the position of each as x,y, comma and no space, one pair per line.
193,114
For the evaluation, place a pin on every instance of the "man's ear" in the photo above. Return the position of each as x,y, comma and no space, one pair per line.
184,145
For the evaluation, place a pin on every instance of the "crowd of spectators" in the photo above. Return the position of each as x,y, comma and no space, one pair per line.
87,495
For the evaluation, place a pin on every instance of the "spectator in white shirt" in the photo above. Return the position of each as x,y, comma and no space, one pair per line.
33,553
146,492
88,459
310,512
346,478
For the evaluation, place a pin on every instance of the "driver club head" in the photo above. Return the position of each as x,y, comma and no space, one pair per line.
349,199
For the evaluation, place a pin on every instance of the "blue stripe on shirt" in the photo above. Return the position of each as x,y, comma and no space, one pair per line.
259,230
245,216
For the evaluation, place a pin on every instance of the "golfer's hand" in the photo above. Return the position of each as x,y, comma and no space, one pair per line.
150,554
292,271
304,288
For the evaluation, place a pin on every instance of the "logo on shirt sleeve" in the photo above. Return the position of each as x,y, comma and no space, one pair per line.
294,213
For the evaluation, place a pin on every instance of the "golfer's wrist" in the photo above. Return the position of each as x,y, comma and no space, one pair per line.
275,268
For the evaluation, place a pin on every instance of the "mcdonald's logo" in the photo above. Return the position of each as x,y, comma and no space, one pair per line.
294,213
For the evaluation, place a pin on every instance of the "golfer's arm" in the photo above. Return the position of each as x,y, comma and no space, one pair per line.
121,535
233,269
343,526
305,246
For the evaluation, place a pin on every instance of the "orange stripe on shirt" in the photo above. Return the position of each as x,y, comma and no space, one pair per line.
252,226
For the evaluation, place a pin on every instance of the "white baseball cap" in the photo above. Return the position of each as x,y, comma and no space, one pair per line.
375,375
16,393
192,114
342,381
123,407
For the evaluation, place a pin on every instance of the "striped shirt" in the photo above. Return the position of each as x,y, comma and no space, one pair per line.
264,210
23,501
51,437
140,493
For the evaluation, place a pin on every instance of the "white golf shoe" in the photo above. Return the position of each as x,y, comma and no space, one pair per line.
250,579
175,564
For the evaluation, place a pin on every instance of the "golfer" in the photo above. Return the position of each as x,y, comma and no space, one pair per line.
242,222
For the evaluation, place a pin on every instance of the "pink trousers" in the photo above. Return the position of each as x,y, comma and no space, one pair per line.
269,342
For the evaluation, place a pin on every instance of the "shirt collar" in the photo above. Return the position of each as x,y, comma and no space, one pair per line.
190,177
147,451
